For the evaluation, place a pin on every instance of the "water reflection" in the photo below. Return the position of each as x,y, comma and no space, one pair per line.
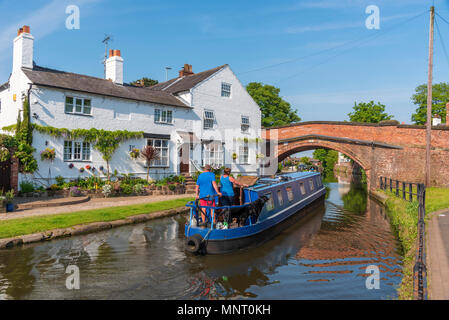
320,257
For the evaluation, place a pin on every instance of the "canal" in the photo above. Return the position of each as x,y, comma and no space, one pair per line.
324,256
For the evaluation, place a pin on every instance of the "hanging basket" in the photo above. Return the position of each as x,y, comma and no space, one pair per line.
48,154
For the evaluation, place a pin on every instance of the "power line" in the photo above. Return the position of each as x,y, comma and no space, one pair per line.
367,39
364,38
442,42
441,18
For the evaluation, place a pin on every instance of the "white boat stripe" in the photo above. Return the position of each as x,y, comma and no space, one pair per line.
295,204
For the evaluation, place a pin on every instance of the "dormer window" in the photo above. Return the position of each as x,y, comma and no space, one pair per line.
225,90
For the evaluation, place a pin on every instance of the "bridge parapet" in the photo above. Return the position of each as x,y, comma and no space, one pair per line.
388,149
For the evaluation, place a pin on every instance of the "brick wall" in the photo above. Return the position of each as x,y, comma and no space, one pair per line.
406,163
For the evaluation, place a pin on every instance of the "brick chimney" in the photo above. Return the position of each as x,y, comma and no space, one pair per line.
186,71
23,49
114,67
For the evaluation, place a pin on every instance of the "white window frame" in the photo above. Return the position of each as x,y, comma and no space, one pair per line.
245,124
213,154
226,90
74,105
244,153
79,151
209,119
160,145
163,116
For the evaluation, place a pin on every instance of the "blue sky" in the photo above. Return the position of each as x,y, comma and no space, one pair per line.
261,41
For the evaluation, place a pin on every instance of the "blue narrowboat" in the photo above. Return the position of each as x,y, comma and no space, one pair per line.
260,212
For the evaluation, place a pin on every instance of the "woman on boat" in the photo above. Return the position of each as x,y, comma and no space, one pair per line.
227,187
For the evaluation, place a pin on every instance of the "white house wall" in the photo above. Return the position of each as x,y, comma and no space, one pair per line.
109,114
228,112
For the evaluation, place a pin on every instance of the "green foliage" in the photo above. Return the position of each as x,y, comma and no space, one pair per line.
306,161
126,188
26,187
280,167
59,180
24,154
328,160
440,96
356,199
147,82
369,112
24,138
171,187
106,142
275,110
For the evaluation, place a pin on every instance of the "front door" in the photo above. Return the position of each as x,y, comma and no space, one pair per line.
184,158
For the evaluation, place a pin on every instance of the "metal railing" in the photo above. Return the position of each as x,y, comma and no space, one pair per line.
419,270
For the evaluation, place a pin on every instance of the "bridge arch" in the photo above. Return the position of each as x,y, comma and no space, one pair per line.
362,158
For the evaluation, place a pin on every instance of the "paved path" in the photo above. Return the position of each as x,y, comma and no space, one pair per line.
437,233
95,203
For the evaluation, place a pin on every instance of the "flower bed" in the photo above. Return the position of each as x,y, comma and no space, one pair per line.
97,187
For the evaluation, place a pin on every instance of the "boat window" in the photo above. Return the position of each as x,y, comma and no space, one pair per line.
280,198
301,187
290,194
269,204
311,184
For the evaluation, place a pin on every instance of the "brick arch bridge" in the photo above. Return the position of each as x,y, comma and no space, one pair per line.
387,149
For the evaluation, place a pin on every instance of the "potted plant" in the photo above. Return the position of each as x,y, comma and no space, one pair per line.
9,197
234,156
48,154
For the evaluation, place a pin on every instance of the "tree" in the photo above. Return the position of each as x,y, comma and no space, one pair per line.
149,153
440,96
306,161
275,110
147,82
369,112
328,159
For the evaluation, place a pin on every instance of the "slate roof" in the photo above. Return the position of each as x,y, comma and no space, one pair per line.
77,82
185,83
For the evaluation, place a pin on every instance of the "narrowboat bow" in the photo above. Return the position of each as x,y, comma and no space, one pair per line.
261,211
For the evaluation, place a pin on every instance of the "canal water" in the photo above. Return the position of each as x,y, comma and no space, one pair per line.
324,256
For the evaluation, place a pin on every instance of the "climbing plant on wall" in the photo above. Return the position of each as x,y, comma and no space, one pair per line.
24,138
106,142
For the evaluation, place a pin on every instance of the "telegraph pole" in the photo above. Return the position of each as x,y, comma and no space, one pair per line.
429,98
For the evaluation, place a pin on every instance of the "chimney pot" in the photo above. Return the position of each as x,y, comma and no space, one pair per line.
186,70
26,29
114,67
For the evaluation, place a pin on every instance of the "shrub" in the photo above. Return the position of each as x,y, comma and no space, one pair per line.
55,187
172,187
75,192
107,190
59,180
126,188
138,188
26,187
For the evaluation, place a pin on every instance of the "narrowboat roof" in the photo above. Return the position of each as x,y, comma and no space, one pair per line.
267,183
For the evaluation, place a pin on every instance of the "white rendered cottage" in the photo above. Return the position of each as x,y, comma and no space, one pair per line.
195,119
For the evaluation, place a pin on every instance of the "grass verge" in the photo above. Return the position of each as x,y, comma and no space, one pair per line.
404,219
23,226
